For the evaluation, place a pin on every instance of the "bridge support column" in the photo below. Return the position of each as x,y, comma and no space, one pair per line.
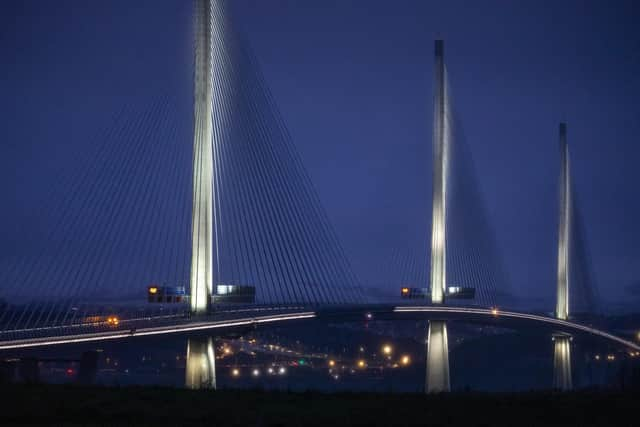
437,358
437,345
564,227
203,186
201,364
562,363
438,278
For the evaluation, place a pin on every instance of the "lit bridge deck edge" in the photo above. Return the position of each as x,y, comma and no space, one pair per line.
221,324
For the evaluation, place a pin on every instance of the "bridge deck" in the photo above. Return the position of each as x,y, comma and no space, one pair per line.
229,320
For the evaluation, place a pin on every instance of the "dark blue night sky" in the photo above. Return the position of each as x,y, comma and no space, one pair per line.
353,80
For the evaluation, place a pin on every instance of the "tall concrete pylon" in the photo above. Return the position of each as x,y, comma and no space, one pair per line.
438,276
437,377
562,378
202,222
564,227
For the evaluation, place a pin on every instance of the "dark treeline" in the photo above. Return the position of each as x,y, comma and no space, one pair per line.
74,405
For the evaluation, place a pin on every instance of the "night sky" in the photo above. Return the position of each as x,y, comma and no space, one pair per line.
353,80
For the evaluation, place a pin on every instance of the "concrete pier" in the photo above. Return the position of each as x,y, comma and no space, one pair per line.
201,364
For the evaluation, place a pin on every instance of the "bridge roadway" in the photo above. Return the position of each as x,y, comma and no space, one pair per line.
232,320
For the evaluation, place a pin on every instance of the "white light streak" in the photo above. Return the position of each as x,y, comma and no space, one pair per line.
161,330
511,314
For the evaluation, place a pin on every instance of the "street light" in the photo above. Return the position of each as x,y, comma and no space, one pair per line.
387,349
361,364
405,360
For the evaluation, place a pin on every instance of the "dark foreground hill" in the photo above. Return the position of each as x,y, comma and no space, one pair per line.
74,405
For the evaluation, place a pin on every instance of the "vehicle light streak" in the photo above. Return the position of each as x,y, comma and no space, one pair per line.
39,342
516,315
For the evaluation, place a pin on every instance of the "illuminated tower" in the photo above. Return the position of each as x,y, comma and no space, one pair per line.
562,343
437,378
203,140
440,166
564,225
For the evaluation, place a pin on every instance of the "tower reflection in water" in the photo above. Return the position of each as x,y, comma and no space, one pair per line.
201,364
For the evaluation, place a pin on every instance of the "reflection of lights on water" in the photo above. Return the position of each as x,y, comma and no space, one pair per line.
336,377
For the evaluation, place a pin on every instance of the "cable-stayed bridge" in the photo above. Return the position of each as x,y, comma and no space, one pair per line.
233,208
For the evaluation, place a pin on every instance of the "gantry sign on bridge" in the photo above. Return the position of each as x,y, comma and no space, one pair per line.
238,211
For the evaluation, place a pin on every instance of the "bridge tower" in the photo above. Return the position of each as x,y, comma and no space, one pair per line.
564,225
437,379
440,158
200,367
201,281
562,343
